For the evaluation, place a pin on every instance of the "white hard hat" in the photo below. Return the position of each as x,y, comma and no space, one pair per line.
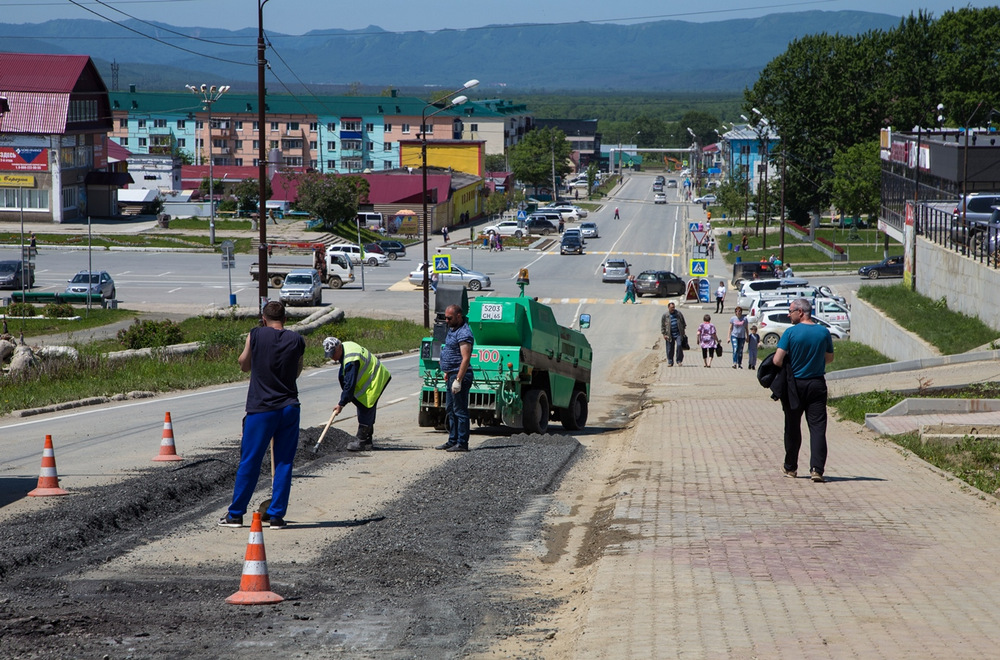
330,345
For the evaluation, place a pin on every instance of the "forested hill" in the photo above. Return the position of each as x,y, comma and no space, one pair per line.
723,56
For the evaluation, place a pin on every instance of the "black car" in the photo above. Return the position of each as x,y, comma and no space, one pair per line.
541,226
392,249
571,245
660,283
16,275
891,267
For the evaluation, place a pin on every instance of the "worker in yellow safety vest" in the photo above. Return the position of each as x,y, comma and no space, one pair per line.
363,378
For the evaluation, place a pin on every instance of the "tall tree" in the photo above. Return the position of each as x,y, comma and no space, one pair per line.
857,179
532,158
331,197
247,193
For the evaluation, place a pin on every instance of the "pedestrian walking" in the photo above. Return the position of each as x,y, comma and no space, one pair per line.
711,248
708,339
738,330
434,282
363,378
753,341
444,232
617,217
674,331
803,352
33,244
745,244
456,356
273,356
499,243
629,289
788,271
562,225
720,296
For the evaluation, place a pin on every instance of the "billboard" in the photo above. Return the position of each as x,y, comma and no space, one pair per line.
22,159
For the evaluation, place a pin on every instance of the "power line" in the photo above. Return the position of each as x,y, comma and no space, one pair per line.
160,27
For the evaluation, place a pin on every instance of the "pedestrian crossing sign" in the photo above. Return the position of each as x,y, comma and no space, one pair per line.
521,215
442,263
699,267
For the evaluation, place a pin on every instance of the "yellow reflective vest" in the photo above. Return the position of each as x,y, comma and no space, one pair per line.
372,375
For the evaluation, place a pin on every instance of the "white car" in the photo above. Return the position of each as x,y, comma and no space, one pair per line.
705,199
615,270
355,254
506,228
772,324
659,198
568,211
589,230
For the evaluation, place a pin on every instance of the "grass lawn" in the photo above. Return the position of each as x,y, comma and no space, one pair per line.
867,247
847,354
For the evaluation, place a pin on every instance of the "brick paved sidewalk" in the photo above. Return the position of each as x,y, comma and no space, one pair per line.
888,559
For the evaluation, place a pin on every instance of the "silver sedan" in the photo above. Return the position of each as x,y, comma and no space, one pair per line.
470,279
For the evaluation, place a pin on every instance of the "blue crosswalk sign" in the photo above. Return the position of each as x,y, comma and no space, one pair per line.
694,226
699,266
521,215
442,263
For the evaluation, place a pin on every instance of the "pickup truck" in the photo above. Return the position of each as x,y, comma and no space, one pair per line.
334,267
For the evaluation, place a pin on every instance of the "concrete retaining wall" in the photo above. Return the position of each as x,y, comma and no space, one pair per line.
872,328
968,286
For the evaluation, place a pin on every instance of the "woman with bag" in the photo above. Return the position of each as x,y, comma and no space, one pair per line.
708,339
738,331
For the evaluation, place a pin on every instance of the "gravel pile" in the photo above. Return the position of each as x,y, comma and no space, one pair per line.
427,576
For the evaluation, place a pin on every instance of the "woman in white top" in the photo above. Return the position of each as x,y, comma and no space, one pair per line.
720,296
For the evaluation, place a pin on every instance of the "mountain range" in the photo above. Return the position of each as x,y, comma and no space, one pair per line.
659,56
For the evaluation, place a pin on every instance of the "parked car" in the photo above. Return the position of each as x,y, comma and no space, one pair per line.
705,199
660,283
571,244
771,325
374,247
891,267
303,286
355,253
507,228
659,198
568,213
97,282
614,270
589,230
541,226
672,183
459,276
834,312
393,249
16,274
976,207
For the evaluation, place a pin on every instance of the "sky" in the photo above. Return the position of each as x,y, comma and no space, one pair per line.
300,16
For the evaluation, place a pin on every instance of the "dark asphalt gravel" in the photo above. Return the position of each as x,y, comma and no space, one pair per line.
427,576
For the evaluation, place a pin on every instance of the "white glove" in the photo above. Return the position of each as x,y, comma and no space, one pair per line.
456,386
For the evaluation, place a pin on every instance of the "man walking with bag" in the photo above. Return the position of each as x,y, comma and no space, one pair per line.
803,352
673,329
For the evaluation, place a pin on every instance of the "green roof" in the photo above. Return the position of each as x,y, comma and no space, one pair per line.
321,106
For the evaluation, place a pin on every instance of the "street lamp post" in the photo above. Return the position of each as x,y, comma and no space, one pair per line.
458,100
261,160
210,95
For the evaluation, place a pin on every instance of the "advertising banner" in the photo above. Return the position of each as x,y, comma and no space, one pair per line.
22,159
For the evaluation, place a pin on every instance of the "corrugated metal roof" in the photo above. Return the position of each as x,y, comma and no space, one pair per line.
32,72
35,112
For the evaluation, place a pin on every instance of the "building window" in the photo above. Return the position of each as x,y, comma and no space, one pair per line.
293,125
348,145
142,142
291,144
370,128
406,128
313,144
331,164
255,126
386,164
473,127
123,141
274,144
314,164
200,143
69,198
221,162
142,124
256,145
387,146
370,164
332,126
313,127
350,125
220,144
238,144
428,128
181,143
371,145
12,199
199,125
123,123
332,145
387,128
238,162
292,161
274,126
181,124
350,164
159,123
239,125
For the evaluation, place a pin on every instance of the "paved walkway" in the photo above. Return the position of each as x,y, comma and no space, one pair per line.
888,559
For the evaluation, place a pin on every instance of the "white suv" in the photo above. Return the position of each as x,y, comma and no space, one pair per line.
507,228
353,252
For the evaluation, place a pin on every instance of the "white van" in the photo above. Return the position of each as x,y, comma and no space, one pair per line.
752,289
373,221
353,252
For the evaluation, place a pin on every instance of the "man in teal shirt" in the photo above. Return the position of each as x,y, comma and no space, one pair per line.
805,349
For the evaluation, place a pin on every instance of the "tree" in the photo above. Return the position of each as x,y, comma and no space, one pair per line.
857,179
592,171
331,197
216,186
247,193
495,162
532,158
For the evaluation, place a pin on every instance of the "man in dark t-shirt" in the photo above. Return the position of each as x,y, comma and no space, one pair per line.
456,356
273,356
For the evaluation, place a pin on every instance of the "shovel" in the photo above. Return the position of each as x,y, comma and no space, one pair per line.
267,503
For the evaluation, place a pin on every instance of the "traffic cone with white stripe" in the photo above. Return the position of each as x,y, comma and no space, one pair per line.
255,585
167,450
48,480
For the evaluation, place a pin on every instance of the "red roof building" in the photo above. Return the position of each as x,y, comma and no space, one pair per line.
54,139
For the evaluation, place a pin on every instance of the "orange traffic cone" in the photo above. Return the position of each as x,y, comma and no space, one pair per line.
167,450
255,586
48,480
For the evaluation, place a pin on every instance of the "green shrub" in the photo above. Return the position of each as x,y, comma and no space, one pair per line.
146,334
58,311
21,309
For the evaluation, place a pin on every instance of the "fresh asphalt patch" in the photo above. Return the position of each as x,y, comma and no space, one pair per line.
432,574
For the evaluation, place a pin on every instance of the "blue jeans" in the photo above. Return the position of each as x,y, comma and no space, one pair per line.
738,343
258,429
674,348
456,408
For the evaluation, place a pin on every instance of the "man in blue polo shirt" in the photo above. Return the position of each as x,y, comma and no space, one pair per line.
456,355
805,348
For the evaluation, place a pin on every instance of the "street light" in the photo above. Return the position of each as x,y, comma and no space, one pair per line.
261,160
695,161
210,95
458,100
